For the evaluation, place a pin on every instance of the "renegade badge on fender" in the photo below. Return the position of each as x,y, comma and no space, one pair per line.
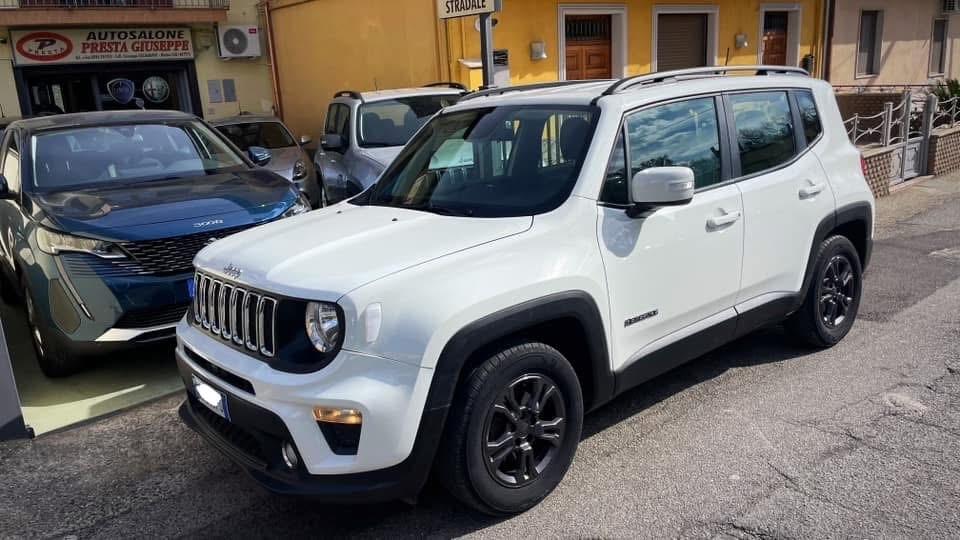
101,215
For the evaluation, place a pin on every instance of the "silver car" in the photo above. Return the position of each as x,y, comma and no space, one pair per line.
364,132
288,158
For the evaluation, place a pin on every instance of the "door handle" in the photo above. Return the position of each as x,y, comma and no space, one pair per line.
727,218
813,189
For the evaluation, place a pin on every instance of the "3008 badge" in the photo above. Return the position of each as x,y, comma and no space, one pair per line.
44,46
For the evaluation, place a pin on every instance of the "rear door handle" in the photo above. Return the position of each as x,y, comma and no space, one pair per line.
727,218
811,190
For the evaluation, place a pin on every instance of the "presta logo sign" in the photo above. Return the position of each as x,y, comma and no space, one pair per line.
44,46
449,9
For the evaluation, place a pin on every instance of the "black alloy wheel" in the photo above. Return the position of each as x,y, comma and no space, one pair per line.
524,430
837,289
832,299
512,430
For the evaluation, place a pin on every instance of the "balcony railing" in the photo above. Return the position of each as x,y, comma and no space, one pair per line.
116,4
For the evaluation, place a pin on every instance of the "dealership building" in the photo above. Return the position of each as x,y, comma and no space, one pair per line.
207,57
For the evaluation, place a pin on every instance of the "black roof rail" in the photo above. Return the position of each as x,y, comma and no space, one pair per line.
349,93
496,91
447,84
697,73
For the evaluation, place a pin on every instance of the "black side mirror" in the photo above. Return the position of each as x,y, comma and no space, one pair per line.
305,140
4,188
332,141
259,155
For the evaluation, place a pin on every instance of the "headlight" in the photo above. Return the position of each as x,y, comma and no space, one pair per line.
53,243
323,326
302,206
299,170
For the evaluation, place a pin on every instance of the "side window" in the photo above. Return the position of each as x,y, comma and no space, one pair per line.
338,120
809,116
615,185
682,134
764,130
11,164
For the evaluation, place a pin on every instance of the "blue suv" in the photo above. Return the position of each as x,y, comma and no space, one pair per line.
101,215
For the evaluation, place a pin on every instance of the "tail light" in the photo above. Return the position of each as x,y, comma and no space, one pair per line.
863,165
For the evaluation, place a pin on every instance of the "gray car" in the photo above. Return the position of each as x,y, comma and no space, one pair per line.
364,132
288,158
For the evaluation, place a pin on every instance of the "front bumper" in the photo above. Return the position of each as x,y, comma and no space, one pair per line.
267,408
91,311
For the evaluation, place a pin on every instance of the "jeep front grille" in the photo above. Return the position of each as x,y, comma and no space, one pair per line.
245,317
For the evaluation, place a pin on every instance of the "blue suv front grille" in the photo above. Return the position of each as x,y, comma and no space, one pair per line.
173,255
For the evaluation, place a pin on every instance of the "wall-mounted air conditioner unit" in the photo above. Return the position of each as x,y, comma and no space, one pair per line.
238,41
951,7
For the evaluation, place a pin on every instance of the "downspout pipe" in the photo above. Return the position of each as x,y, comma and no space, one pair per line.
831,17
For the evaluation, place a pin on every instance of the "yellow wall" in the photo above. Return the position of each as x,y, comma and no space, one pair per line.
327,45
252,76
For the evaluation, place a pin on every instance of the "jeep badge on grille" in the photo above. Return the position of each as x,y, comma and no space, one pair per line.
232,271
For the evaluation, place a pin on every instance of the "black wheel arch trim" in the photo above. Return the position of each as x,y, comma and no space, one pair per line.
577,305
859,212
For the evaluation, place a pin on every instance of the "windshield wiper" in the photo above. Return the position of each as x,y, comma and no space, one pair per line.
445,211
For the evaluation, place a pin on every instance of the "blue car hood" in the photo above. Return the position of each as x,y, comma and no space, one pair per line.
165,208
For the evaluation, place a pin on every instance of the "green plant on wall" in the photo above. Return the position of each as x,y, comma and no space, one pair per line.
946,90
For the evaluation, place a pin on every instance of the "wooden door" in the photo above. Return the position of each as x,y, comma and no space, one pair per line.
775,38
588,54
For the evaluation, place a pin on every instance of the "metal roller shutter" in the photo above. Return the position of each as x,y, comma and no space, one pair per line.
681,41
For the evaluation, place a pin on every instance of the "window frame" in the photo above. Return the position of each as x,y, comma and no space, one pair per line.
730,169
800,140
726,171
877,45
16,187
944,47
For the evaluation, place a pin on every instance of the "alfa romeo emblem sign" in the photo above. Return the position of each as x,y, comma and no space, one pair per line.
156,89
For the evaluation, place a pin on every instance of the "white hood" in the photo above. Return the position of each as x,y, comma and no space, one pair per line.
324,254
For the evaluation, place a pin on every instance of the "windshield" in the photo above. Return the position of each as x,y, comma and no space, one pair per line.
494,162
75,158
393,122
266,134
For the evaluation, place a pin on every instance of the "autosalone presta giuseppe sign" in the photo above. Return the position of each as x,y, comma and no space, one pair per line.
449,9
85,45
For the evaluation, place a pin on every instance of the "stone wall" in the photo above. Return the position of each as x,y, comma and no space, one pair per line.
878,163
944,151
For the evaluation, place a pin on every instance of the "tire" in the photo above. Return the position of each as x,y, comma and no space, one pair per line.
8,293
498,485
833,297
53,360
323,192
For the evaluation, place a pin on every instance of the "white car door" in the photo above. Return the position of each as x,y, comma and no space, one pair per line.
785,190
677,270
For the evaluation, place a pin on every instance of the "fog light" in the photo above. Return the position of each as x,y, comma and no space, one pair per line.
331,415
289,454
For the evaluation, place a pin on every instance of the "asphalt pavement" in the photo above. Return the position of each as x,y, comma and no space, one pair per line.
757,440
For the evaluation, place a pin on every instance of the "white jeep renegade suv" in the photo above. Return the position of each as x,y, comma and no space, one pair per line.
531,253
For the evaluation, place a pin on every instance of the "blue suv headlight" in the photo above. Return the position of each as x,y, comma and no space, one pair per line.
302,206
53,243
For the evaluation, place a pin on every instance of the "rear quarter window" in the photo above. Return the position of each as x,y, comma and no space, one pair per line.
809,116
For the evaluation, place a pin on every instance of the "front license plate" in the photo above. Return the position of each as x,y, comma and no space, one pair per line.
211,397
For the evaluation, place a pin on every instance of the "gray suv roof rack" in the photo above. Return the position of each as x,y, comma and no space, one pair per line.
496,91
446,84
697,73
349,93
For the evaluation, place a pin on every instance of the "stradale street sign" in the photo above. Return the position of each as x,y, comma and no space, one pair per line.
449,9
